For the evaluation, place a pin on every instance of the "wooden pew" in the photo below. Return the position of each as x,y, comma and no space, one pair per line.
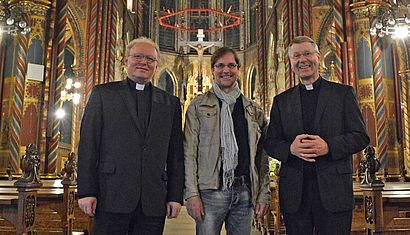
55,197
381,204
395,199
18,207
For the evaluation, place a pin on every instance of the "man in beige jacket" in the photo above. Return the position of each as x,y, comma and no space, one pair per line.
226,172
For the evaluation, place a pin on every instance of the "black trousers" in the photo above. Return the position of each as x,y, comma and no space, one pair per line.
134,223
313,218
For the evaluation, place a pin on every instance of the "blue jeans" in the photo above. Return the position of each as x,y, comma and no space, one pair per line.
233,206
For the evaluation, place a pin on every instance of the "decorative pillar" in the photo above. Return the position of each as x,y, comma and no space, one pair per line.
34,90
405,75
287,35
111,41
58,86
350,70
379,91
262,68
25,105
139,21
337,44
79,73
305,30
365,90
376,87
92,48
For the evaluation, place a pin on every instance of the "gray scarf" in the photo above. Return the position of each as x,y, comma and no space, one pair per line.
228,141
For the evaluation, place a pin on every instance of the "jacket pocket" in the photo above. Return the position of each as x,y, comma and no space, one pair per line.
207,111
208,120
106,167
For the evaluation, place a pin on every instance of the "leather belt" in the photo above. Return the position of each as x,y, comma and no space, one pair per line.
241,180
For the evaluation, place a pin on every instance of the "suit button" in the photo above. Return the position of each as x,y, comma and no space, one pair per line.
144,148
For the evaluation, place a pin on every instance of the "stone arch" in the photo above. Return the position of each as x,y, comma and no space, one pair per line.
76,31
168,82
252,81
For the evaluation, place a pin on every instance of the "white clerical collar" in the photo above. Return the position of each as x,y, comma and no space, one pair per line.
309,87
139,87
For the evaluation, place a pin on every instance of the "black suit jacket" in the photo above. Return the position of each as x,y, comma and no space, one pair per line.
339,122
121,167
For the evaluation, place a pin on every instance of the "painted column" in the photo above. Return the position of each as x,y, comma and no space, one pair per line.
337,44
92,57
405,75
53,146
286,41
376,87
364,63
379,91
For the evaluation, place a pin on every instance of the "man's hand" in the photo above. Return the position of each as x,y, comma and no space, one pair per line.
173,209
195,208
261,210
307,147
88,205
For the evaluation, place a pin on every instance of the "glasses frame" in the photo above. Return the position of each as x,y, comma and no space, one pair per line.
306,54
229,65
140,57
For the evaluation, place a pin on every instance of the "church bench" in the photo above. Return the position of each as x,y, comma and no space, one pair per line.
19,209
56,198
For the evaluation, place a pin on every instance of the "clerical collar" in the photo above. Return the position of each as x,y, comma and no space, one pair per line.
137,86
312,86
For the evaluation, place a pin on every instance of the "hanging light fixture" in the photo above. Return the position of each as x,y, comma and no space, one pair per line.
393,20
13,19
70,92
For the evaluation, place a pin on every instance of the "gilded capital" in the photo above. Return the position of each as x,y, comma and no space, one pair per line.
33,7
362,9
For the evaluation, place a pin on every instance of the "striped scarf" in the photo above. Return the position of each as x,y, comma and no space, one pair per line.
228,140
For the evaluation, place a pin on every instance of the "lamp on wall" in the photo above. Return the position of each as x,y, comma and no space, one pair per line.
13,18
393,20
70,92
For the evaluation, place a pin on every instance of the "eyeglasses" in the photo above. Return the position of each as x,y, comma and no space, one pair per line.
307,54
141,57
222,65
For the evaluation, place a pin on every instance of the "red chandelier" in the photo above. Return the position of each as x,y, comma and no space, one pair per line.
225,19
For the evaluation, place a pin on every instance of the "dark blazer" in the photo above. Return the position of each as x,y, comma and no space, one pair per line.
121,167
339,122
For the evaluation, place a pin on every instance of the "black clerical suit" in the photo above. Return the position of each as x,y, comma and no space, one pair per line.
130,152
325,187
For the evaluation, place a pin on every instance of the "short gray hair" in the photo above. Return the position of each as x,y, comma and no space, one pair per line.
142,40
302,39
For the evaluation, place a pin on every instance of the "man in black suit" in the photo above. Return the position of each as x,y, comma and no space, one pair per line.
314,129
131,171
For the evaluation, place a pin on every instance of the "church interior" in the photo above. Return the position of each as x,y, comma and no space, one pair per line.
53,52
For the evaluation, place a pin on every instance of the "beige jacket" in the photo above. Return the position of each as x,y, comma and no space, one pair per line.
202,147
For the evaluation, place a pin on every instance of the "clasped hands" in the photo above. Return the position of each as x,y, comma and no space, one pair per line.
308,147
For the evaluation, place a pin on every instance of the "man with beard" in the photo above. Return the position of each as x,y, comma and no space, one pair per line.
314,129
226,173
130,170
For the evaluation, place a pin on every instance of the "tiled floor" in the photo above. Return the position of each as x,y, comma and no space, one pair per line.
185,225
